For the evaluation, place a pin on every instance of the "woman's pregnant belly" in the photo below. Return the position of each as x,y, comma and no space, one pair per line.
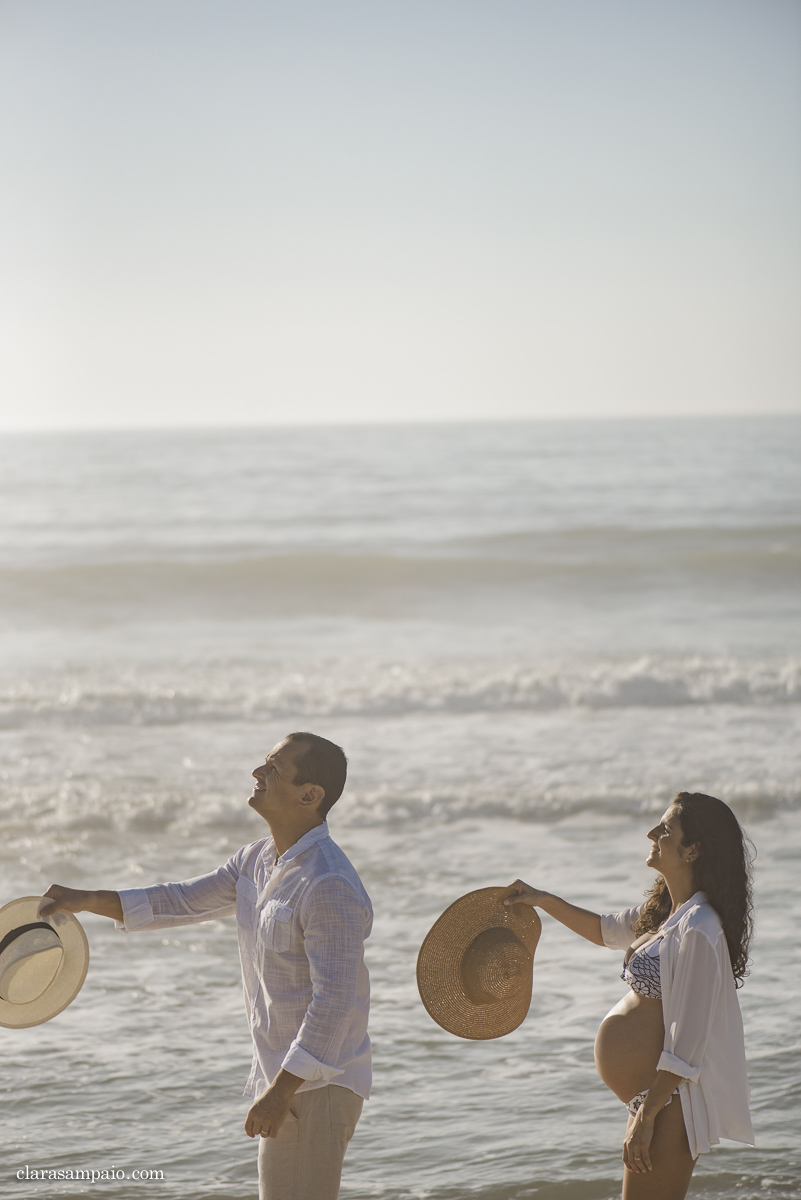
628,1045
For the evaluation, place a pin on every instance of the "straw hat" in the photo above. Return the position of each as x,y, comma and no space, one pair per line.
474,967
43,962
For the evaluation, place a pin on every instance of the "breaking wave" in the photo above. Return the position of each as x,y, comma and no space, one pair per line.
239,692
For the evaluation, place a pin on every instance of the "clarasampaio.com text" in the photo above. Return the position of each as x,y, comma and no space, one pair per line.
105,1175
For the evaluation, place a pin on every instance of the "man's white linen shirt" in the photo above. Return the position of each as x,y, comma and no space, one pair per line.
302,919
704,1041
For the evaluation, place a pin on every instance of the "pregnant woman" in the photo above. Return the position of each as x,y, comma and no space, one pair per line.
672,1049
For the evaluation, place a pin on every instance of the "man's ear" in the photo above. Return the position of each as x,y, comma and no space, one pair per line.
312,796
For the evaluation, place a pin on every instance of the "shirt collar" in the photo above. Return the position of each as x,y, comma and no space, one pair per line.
314,835
674,918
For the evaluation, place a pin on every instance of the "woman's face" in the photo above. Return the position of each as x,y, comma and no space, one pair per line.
668,851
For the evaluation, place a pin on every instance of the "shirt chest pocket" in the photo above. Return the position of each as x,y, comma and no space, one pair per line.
275,925
246,896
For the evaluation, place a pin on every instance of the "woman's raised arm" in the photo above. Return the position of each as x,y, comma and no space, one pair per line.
580,920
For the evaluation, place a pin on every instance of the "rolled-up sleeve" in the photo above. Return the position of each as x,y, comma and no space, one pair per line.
335,922
691,1004
165,905
617,929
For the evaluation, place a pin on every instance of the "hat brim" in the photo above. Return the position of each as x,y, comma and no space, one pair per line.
439,965
70,975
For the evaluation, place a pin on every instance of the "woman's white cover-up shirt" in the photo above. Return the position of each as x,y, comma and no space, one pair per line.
704,1041
302,920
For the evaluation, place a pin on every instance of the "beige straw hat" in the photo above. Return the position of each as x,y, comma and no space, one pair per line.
43,962
474,968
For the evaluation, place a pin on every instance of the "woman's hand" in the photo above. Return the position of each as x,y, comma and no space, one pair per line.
523,893
637,1143
587,924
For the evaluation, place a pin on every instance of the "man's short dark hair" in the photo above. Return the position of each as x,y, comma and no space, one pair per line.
322,762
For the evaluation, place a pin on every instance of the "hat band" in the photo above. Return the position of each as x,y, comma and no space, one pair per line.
30,957
18,932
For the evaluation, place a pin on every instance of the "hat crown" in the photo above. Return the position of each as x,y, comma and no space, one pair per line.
29,961
493,965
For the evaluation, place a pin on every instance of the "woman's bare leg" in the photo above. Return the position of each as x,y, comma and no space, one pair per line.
670,1157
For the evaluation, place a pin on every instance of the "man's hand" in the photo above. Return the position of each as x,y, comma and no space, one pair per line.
267,1114
75,900
64,899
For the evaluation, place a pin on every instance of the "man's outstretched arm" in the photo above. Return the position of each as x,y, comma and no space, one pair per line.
75,900
160,906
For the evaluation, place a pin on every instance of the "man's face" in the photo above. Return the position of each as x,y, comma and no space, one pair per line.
276,792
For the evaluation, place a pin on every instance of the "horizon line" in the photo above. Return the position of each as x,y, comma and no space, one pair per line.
399,422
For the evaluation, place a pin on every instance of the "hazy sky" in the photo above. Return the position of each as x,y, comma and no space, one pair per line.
238,212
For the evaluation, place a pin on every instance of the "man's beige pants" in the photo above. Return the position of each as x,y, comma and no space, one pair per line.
304,1162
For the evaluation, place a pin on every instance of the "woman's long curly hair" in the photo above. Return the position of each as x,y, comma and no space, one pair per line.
722,870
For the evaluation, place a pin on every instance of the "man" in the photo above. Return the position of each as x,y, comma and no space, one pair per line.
302,918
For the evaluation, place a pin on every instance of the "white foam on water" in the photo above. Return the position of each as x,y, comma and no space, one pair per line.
271,690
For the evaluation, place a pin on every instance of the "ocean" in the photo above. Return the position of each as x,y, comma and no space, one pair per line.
528,637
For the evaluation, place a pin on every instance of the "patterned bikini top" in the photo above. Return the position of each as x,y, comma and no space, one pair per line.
641,971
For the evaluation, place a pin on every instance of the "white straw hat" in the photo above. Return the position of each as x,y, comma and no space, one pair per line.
43,962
